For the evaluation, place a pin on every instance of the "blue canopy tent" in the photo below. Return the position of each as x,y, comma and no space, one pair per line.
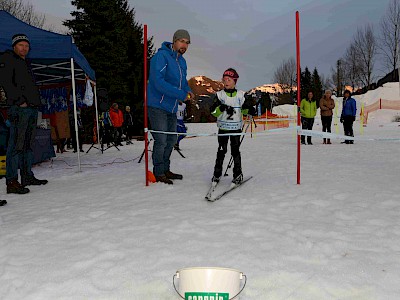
54,58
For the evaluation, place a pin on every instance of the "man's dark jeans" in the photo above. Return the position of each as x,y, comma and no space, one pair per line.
20,144
162,120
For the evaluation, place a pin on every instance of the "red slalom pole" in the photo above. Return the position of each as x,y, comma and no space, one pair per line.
298,91
146,134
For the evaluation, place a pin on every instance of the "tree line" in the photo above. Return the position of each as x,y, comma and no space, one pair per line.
357,66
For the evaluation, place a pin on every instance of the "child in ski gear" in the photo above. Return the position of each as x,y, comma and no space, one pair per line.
227,107
348,116
180,126
308,110
326,104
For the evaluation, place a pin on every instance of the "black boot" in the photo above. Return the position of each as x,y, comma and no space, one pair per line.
171,175
163,179
32,180
3,202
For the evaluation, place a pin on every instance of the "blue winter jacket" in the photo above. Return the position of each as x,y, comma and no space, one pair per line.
167,81
349,107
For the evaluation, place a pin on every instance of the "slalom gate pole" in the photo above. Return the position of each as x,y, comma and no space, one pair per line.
362,119
298,91
146,133
336,119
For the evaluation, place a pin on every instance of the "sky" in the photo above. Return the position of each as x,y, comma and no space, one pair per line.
252,36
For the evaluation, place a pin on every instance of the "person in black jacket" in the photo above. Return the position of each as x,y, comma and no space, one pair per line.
23,99
128,124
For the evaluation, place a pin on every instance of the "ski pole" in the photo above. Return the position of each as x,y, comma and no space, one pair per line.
231,159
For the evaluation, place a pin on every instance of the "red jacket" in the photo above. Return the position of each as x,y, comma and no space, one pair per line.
117,117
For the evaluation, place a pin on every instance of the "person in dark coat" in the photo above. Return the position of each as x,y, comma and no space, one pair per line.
128,125
348,116
17,80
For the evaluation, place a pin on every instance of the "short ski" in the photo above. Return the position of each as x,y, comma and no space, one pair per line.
211,190
230,189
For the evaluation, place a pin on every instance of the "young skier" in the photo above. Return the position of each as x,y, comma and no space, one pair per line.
180,125
228,106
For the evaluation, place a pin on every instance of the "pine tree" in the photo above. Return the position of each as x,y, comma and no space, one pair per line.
316,86
107,34
306,83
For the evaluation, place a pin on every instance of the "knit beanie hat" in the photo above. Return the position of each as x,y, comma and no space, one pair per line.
231,73
19,38
181,34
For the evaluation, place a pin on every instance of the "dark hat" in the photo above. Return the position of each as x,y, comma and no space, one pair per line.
231,73
347,91
19,38
181,34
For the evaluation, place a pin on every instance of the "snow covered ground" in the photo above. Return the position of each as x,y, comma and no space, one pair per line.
101,234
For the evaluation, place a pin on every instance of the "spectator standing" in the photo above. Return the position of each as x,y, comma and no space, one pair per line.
22,95
308,110
117,120
167,86
181,128
348,116
327,104
128,125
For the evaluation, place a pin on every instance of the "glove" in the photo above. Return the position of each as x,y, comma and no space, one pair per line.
341,119
223,107
354,118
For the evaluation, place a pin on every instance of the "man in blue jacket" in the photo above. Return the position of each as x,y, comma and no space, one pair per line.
167,86
348,115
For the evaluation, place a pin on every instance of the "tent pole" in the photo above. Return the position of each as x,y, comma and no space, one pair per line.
75,114
97,115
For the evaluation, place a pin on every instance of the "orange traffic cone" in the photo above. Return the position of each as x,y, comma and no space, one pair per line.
151,177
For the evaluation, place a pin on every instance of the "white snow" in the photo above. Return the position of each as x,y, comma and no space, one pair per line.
102,234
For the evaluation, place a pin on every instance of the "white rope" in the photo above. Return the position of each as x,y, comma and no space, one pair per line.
226,134
313,133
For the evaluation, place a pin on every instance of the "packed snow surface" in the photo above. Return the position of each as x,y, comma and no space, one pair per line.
102,234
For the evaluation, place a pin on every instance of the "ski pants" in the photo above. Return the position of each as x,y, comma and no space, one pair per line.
348,127
223,148
326,123
181,128
307,124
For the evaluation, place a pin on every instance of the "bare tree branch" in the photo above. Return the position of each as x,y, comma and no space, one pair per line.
23,11
390,35
366,50
285,75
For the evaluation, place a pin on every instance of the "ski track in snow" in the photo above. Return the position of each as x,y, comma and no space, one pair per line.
101,234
